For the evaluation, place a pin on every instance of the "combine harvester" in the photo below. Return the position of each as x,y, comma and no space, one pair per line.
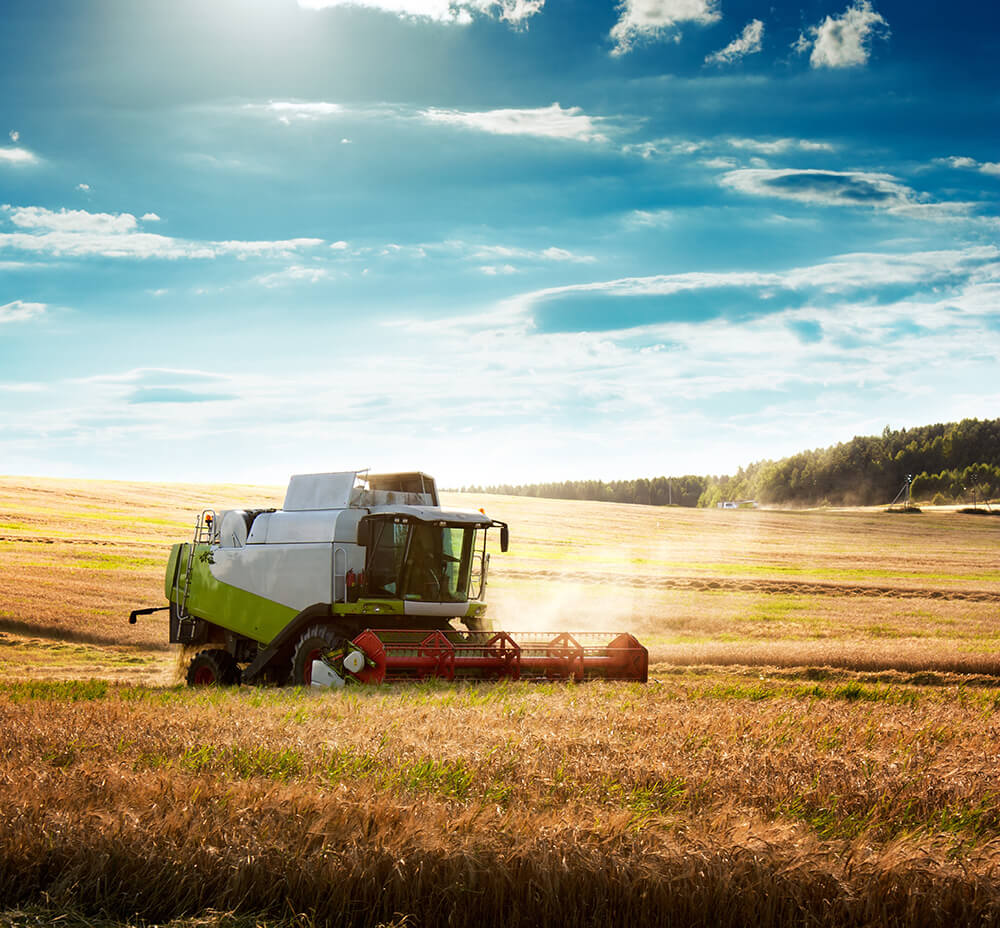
359,578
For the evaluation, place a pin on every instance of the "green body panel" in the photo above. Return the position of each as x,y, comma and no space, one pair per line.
169,578
369,607
229,606
475,610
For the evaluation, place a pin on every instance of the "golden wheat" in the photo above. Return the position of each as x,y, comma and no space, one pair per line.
839,771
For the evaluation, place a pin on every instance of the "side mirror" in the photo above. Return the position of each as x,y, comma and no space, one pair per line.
365,533
504,537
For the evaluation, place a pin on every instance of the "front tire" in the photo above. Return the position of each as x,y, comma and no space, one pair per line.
315,642
213,667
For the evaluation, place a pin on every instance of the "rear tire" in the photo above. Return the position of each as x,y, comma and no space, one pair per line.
315,641
213,667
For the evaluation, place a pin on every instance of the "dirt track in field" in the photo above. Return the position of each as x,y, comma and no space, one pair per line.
795,587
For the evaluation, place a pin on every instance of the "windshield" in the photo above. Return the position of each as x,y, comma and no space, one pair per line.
420,561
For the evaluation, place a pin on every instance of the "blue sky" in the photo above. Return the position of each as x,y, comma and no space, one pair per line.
498,241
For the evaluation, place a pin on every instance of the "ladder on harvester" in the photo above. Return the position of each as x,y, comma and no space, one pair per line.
204,534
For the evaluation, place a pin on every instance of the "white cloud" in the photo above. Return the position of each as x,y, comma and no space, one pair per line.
15,136
457,12
649,218
16,156
844,274
287,110
665,147
720,163
552,122
19,311
493,269
488,252
495,257
747,43
778,146
841,188
71,220
650,20
78,233
561,254
844,41
83,188
149,217
964,163
295,274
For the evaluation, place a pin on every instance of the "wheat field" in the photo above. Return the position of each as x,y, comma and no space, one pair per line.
817,744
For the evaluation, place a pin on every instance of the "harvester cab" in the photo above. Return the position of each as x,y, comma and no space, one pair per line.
357,578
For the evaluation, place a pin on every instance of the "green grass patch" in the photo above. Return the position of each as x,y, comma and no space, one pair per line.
61,690
244,763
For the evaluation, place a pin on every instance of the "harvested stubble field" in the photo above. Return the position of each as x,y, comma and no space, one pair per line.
818,744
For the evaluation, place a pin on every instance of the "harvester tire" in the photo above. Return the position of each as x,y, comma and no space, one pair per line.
213,667
315,640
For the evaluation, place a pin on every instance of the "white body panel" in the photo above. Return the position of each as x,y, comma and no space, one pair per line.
433,514
306,527
300,555
232,528
319,491
323,676
296,575
414,608
285,528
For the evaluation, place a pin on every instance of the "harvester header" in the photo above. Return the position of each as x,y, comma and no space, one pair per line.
358,578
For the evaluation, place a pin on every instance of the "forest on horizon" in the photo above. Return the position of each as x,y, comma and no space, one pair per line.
948,462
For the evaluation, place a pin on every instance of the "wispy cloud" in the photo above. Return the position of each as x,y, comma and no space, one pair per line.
500,258
860,275
288,110
553,122
19,311
78,233
664,147
155,377
844,41
841,188
295,274
492,270
720,146
649,218
652,20
17,156
480,252
746,43
779,146
970,164
459,12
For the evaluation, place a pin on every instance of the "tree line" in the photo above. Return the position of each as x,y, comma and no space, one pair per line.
947,462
